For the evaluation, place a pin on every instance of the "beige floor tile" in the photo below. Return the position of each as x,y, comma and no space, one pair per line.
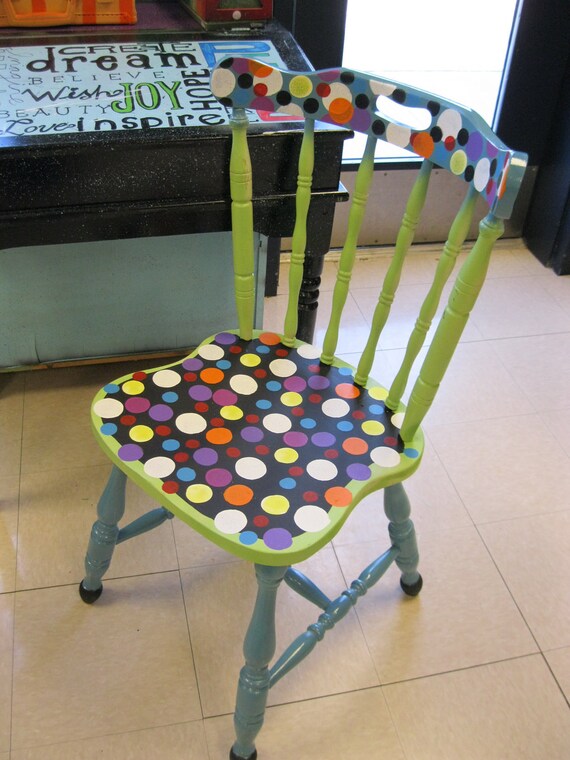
559,424
9,494
220,599
540,366
185,741
57,510
559,289
505,711
6,657
356,725
369,271
463,616
518,306
124,664
11,406
559,661
532,556
194,550
504,468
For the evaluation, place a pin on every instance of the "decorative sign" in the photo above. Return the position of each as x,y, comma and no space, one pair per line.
62,89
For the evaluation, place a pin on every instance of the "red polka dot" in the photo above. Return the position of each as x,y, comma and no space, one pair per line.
323,90
260,89
139,376
314,367
128,420
296,471
260,521
236,349
201,406
181,456
190,377
298,411
315,398
390,441
233,452
251,418
261,373
449,143
170,486
261,449
163,430
358,415
331,453
310,496
217,422
192,443
282,352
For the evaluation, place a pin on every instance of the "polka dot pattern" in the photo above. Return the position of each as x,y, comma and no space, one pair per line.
265,457
455,138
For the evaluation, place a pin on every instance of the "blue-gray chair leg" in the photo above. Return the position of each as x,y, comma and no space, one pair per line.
403,536
103,539
258,649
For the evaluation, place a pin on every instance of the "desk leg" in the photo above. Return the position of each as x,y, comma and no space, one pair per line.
319,231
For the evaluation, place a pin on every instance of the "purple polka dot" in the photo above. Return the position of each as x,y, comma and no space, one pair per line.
130,452
492,150
224,397
218,478
136,405
200,393
474,146
225,338
262,104
252,434
358,471
329,76
160,412
295,383
193,364
206,457
277,538
295,439
318,382
361,120
240,66
323,439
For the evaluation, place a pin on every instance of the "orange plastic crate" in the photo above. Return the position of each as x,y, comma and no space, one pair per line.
63,12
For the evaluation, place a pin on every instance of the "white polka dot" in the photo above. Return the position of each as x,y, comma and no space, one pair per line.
222,83
250,468
273,82
283,367
190,423
311,519
384,456
482,174
159,467
276,423
108,407
243,384
335,407
230,521
398,135
307,351
166,378
337,90
398,419
293,110
322,469
449,122
211,352
381,88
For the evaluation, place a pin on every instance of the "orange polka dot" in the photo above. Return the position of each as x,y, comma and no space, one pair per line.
259,69
503,184
355,446
341,110
212,375
219,436
269,339
337,496
347,390
238,495
423,144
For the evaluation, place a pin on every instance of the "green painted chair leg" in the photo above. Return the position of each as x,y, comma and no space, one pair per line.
104,536
258,649
403,535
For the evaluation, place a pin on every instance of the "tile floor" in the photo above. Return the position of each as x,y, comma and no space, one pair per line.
475,668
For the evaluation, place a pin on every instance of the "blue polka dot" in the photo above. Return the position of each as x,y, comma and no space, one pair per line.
263,404
308,423
109,428
412,453
170,397
344,425
111,388
273,385
248,537
345,371
262,349
288,483
377,408
186,474
170,444
223,364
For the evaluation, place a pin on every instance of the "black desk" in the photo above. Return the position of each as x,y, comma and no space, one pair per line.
75,186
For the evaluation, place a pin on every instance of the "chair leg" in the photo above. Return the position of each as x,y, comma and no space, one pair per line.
258,649
103,539
403,536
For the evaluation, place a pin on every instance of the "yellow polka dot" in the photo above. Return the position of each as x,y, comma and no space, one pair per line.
199,493
291,398
141,433
373,427
133,387
458,162
231,412
250,360
275,504
300,86
378,393
286,455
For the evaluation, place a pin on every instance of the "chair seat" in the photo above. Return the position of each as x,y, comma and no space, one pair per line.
259,447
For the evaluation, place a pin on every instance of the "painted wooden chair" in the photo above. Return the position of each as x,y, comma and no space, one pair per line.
265,444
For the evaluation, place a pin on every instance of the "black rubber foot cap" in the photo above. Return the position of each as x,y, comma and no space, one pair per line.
233,755
412,589
89,596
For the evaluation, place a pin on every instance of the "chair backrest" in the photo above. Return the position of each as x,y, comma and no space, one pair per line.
441,132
